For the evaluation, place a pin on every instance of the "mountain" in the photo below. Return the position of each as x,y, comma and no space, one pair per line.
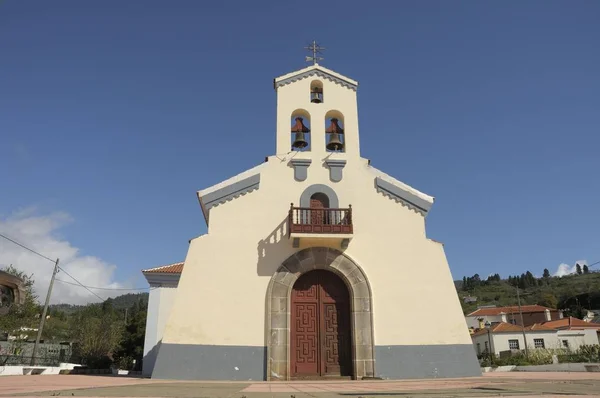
572,293
119,303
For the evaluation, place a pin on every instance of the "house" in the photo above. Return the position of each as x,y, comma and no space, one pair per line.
504,336
592,316
531,314
12,291
305,262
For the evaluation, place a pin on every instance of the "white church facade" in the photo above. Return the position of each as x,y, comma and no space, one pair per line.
312,264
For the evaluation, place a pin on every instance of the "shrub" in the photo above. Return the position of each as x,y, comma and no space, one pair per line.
542,356
590,353
517,359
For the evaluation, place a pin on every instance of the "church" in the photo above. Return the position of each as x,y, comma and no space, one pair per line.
313,265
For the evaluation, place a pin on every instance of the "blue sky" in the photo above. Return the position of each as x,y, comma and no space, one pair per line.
113,114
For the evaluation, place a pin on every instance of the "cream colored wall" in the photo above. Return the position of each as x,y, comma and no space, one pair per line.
336,97
227,271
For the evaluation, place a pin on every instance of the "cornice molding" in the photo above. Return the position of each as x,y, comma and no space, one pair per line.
228,193
399,194
156,279
318,73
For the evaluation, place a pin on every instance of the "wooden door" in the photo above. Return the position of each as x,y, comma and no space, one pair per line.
318,203
320,332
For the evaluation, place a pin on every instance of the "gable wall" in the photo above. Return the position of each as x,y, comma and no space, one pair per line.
228,270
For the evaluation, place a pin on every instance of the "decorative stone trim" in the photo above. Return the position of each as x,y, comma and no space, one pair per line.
335,169
334,203
318,73
399,194
162,279
229,192
279,309
300,168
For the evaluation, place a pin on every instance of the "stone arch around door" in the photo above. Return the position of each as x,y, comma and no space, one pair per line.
279,302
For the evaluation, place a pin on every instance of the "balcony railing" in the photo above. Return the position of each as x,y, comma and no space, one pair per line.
320,221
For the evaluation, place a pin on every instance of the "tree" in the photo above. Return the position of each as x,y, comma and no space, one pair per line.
546,275
586,270
548,300
578,268
21,315
131,346
97,331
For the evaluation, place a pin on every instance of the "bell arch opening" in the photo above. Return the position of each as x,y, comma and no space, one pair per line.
334,131
300,130
279,310
316,92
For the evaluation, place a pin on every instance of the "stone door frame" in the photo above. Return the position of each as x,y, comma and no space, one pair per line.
278,311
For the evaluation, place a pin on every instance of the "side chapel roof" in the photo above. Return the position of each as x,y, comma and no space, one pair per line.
175,268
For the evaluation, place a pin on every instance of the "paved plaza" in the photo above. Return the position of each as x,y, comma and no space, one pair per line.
510,384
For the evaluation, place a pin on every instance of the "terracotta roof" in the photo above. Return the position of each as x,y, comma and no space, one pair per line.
175,268
504,327
509,310
571,322
539,326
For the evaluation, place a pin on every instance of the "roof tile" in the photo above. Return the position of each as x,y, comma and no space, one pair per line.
509,310
175,268
571,322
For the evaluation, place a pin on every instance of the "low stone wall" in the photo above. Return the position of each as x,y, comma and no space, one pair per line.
508,368
19,370
560,367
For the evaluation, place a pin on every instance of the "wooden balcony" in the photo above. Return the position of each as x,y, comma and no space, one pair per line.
320,223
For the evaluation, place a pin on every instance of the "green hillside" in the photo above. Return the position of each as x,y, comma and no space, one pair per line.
118,303
572,293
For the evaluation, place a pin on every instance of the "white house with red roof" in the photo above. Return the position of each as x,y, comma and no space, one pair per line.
565,333
532,314
307,260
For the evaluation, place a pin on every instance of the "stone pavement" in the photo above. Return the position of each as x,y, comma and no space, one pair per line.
509,384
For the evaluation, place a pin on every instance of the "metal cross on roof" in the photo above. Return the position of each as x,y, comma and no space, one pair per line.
315,49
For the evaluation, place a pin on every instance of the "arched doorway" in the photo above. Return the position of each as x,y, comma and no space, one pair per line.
320,326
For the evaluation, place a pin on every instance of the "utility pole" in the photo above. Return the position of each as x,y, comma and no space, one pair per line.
43,318
522,324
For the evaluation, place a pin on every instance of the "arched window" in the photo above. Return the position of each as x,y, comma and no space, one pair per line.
300,130
334,132
316,92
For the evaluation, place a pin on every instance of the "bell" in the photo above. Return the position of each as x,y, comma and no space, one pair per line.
299,129
299,141
316,95
334,130
334,143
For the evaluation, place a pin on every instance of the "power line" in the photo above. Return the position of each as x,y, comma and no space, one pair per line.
104,288
63,270
596,263
25,247
81,284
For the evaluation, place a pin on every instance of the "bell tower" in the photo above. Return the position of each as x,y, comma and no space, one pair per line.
317,112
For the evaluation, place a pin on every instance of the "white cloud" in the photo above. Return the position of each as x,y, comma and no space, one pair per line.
40,233
566,269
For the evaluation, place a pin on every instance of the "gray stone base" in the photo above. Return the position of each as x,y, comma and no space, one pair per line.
426,361
209,362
